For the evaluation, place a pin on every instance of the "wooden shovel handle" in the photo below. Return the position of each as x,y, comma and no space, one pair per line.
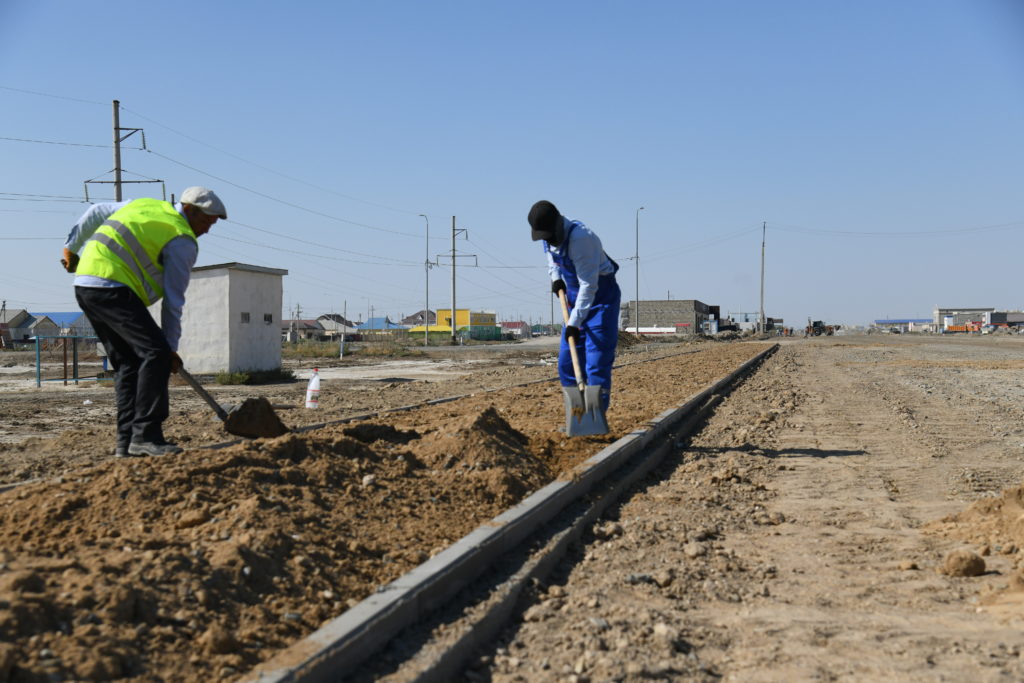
221,413
569,342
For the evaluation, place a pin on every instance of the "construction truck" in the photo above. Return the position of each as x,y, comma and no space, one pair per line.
818,328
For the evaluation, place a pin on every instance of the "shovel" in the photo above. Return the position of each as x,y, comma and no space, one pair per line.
253,418
583,414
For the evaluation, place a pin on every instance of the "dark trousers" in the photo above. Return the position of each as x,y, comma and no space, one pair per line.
141,357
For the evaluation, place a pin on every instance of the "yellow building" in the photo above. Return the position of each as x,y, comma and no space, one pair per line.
480,324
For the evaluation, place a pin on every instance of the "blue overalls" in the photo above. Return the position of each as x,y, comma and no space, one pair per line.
599,332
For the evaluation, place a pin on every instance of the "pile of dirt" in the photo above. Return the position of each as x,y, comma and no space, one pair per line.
992,525
119,571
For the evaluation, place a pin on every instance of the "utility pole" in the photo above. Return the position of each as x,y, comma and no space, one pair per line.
117,151
454,256
344,326
636,258
764,227
426,289
453,281
118,180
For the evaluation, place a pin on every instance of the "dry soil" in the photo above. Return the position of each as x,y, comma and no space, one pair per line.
851,512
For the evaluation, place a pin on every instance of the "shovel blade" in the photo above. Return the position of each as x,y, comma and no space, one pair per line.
583,414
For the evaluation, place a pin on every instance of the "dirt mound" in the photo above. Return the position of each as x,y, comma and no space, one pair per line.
486,455
628,339
995,522
233,554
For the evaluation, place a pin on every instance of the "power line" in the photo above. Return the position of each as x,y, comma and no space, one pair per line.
281,201
271,170
278,248
318,244
897,233
57,97
32,194
58,142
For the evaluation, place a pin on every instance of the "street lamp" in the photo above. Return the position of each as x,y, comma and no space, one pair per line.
426,289
636,258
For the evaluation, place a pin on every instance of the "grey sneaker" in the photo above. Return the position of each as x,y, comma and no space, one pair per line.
121,451
152,448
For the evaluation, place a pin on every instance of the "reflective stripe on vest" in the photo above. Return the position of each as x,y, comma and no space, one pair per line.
140,253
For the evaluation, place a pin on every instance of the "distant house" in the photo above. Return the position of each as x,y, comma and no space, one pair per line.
296,330
420,318
516,328
477,324
16,321
42,326
62,320
21,326
335,325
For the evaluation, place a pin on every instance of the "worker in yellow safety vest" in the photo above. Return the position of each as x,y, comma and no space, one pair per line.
127,256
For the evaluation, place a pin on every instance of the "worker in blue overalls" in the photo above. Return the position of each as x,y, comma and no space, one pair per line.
577,264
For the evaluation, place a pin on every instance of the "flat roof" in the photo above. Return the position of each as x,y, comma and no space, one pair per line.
234,265
897,321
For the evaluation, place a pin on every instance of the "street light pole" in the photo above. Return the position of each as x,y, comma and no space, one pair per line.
426,290
764,228
636,258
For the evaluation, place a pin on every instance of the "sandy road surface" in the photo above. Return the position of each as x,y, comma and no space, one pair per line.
800,534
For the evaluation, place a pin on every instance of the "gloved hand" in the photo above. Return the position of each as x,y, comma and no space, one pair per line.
175,362
70,260
572,333
557,285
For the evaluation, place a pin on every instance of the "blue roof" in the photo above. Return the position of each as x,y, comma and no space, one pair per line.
380,324
60,319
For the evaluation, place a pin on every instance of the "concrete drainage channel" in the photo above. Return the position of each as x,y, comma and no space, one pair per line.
526,541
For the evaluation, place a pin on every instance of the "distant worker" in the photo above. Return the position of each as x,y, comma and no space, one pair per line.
577,264
133,254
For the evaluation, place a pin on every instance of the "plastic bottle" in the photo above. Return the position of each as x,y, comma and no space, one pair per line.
313,390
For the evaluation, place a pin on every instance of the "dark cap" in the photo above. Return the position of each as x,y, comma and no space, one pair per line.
544,219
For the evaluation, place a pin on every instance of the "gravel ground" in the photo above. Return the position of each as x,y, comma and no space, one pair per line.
839,518
850,512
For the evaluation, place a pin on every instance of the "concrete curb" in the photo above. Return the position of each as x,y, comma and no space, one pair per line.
355,635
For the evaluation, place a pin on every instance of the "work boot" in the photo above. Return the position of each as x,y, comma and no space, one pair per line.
152,448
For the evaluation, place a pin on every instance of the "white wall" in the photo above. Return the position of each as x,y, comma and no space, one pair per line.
213,336
255,345
205,344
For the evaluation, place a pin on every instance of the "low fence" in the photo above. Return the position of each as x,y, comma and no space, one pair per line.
67,353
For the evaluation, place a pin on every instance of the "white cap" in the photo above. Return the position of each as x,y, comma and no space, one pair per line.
205,200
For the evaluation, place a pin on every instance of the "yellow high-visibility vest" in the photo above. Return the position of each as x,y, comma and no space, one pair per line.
126,248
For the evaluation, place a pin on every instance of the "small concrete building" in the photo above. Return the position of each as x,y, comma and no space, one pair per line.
232,319
668,316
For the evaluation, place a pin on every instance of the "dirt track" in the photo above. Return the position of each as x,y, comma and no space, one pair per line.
800,536
797,536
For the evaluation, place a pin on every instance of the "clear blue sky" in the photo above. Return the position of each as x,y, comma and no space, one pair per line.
881,141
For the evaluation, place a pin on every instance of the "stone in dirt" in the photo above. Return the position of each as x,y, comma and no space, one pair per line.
963,562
